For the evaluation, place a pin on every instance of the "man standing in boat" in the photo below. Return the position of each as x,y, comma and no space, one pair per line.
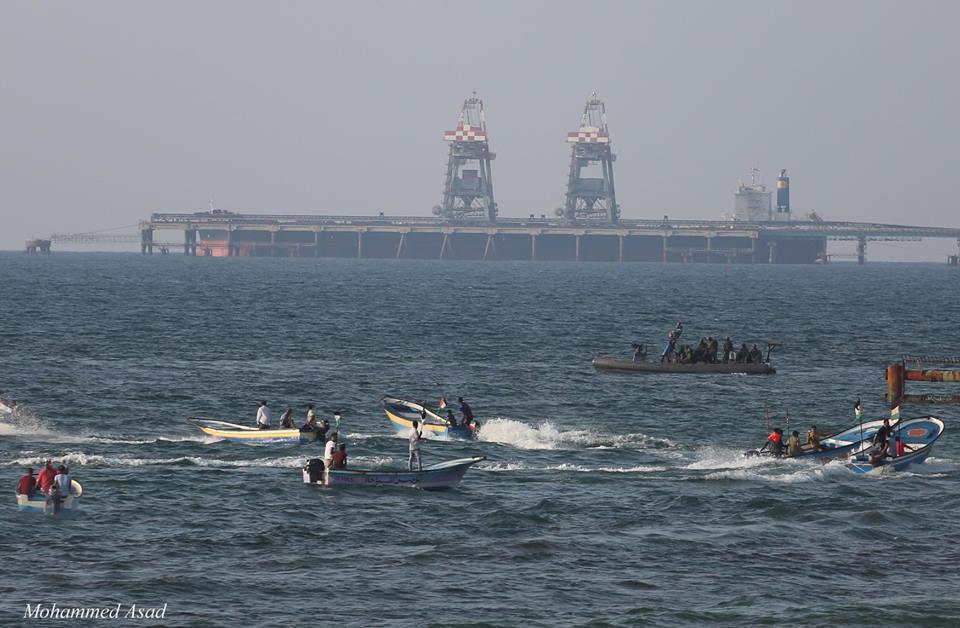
465,411
263,416
329,450
672,339
415,438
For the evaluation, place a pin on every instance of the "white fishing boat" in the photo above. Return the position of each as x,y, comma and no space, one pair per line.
52,505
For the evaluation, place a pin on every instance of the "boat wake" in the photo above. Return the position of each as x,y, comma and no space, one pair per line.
82,459
579,468
22,422
547,436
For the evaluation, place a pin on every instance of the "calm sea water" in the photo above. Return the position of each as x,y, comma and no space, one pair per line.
604,499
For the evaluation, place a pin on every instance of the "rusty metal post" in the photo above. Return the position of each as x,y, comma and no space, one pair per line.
894,382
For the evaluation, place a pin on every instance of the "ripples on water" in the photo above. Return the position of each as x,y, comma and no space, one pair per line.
611,499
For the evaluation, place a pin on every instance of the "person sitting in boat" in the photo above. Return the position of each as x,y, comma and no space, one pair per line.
322,431
774,442
742,353
310,424
415,438
465,410
713,348
639,352
755,356
263,416
329,450
899,447
794,448
813,438
728,352
286,419
45,477
27,484
340,457
451,420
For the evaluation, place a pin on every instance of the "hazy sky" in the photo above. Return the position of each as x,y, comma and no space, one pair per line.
113,110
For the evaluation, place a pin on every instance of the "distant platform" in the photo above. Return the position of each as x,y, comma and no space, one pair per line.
219,233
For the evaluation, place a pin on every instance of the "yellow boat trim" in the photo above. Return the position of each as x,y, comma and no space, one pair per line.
430,427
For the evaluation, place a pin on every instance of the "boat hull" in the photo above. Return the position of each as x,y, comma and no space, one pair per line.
402,414
42,504
615,365
439,476
252,436
835,447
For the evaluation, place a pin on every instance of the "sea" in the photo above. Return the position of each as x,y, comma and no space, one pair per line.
604,500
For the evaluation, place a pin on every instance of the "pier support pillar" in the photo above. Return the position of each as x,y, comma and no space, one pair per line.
894,382
273,244
359,245
772,247
577,247
620,254
861,250
146,242
663,254
709,248
316,244
489,246
444,244
533,247
400,245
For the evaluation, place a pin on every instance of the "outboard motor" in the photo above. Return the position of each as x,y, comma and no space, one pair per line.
315,469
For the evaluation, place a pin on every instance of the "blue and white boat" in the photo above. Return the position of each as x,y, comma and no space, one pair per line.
402,414
835,447
918,437
438,476
41,503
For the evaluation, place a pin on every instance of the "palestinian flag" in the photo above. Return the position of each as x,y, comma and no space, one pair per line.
858,410
443,403
895,412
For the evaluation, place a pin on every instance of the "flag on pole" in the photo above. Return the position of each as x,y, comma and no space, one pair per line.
895,412
858,410
443,403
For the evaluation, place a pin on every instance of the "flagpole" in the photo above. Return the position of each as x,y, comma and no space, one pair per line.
857,409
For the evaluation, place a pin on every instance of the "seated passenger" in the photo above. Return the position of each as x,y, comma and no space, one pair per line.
813,438
774,442
27,484
639,353
451,420
729,354
322,431
900,447
794,448
286,419
756,355
340,457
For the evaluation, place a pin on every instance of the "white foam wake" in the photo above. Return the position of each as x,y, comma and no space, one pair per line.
547,436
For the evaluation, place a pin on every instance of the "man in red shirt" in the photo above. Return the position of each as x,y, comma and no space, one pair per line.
27,484
45,478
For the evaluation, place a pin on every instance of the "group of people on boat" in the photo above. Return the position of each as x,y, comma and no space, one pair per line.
335,452
707,351
885,443
467,421
55,484
792,446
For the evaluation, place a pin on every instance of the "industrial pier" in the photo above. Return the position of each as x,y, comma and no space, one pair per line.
535,239
467,225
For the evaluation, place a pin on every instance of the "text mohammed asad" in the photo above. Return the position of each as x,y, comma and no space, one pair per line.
120,611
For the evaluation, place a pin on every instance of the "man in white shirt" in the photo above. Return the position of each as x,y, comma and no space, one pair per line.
415,439
263,416
328,450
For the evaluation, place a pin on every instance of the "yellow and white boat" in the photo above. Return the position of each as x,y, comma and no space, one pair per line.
252,435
